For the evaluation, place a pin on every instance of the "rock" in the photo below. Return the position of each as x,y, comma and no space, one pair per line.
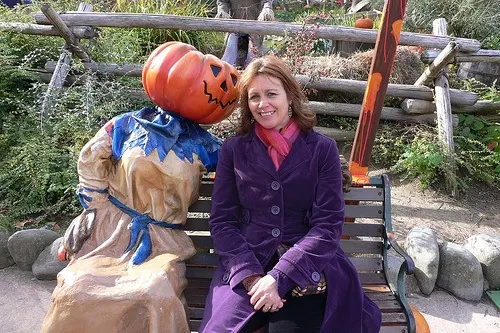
26,245
460,272
47,265
486,248
486,285
422,247
5,257
394,261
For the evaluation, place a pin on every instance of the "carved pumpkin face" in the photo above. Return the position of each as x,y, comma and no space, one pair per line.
199,87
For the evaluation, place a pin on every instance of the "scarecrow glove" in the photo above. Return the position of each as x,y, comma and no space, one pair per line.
266,14
223,10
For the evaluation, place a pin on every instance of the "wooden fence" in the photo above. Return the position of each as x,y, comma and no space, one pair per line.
419,100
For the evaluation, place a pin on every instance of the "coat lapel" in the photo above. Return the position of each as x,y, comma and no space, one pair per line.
299,154
257,154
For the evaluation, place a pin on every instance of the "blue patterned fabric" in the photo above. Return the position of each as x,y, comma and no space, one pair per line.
154,128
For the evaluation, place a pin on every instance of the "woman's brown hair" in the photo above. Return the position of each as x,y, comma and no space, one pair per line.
277,68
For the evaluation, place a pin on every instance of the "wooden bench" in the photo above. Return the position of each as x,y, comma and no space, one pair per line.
368,240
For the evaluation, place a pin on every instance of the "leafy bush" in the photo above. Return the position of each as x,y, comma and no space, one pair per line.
423,159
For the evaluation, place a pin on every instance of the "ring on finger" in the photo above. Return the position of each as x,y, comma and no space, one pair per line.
267,308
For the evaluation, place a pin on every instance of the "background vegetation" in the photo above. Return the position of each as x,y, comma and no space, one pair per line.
38,155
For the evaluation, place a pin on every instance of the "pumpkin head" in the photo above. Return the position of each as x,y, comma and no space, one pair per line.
199,87
363,23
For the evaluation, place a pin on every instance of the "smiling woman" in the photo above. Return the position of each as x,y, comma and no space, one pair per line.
177,69
268,102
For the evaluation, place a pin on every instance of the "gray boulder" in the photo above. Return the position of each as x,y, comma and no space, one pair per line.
47,265
423,248
486,248
460,272
394,262
26,245
5,257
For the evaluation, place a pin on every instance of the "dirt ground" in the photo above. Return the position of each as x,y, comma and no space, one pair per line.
477,211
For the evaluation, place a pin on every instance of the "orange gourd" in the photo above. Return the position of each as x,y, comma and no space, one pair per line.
363,23
420,322
200,87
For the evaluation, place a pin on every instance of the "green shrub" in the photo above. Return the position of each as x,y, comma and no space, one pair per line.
423,159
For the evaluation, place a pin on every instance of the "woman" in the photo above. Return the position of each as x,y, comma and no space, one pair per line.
279,183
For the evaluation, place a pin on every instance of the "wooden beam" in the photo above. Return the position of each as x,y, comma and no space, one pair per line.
163,21
341,110
418,106
388,113
441,61
428,56
335,133
66,33
458,97
45,30
444,117
62,67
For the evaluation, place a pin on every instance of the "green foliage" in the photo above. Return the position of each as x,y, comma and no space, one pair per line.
484,91
423,159
476,19
389,144
38,170
151,38
477,141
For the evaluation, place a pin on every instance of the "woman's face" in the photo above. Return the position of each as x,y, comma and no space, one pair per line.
268,102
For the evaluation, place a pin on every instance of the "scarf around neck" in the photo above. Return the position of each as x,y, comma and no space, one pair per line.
278,143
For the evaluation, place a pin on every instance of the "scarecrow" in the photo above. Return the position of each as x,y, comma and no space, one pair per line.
241,48
138,176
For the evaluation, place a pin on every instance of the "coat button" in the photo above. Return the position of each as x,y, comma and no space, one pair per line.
275,185
276,232
315,276
225,277
275,210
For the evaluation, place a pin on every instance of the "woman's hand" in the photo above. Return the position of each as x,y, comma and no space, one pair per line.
264,295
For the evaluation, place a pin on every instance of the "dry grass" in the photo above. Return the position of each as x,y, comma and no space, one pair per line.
407,66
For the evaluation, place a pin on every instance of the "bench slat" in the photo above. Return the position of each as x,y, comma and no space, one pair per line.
349,229
212,259
195,324
365,194
388,306
206,188
371,278
361,194
358,211
348,245
394,329
389,317
353,211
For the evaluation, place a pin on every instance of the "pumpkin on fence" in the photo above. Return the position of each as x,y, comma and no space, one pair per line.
200,87
364,23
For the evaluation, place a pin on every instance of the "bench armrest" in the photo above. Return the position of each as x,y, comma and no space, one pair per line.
392,242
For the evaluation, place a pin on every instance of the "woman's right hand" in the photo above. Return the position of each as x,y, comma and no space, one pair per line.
264,295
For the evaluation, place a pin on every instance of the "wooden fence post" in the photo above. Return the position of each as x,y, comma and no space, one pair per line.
443,108
62,67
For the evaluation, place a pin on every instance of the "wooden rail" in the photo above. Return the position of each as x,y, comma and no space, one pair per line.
428,56
45,30
458,97
163,21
